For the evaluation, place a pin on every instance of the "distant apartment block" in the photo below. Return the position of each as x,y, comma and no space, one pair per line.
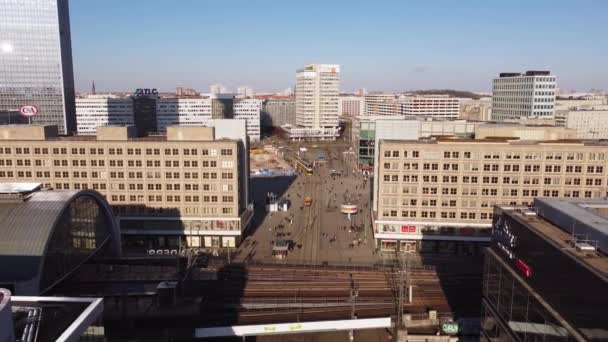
278,112
588,124
523,96
594,102
249,110
217,89
189,188
102,110
476,110
438,195
351,105
185,92
182,111
434,106
317,93
378,104
245,92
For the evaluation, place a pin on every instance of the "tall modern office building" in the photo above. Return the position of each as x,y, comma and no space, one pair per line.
523,96
36,61
317,92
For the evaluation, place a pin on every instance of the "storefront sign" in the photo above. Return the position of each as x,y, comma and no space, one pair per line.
28,110
408,229
522,266
450,328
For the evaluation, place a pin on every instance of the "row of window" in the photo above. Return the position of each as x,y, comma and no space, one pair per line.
505,155
443,202
117,151
434,214
592,156
116,175
494,180
171,198
495,167
141,187
135,209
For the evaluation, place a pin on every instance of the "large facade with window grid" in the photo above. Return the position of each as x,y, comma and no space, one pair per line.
523,96
188,188
437,196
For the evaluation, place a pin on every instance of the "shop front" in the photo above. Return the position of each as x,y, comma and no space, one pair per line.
145,235
417,237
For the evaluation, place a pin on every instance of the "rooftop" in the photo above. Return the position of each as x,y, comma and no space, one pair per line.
503,140
18,188
217,130
566,223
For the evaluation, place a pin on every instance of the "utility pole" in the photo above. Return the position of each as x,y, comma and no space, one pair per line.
402,286
354,293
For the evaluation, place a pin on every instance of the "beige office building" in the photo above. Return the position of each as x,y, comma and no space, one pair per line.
437,196
186,189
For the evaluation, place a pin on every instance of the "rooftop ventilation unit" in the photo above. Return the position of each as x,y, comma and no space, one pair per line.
584,247
528,212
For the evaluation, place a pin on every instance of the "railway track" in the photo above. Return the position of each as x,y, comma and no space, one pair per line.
277,293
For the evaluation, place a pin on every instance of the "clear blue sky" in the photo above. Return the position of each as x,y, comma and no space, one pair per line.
381,45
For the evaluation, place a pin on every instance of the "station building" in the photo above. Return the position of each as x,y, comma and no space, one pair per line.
545,276
47,234
189,188
438,195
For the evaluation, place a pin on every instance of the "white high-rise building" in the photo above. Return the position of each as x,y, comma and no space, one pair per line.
217,89
435,106
351,105
93,111
249,110
182,111
245,92
523,96
317,92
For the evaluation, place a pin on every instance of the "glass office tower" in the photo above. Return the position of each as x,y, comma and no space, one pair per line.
36,61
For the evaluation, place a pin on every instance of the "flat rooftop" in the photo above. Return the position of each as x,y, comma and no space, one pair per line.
596,261
18,188
502,140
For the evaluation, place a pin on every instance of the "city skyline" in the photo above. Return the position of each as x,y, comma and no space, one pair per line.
124,45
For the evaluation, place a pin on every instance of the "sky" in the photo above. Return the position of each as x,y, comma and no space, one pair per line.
380,45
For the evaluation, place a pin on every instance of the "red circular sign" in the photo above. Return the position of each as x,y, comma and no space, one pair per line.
28,110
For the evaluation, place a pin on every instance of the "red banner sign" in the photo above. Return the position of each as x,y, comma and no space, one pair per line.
408,229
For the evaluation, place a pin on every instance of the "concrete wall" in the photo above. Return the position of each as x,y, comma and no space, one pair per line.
524,132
